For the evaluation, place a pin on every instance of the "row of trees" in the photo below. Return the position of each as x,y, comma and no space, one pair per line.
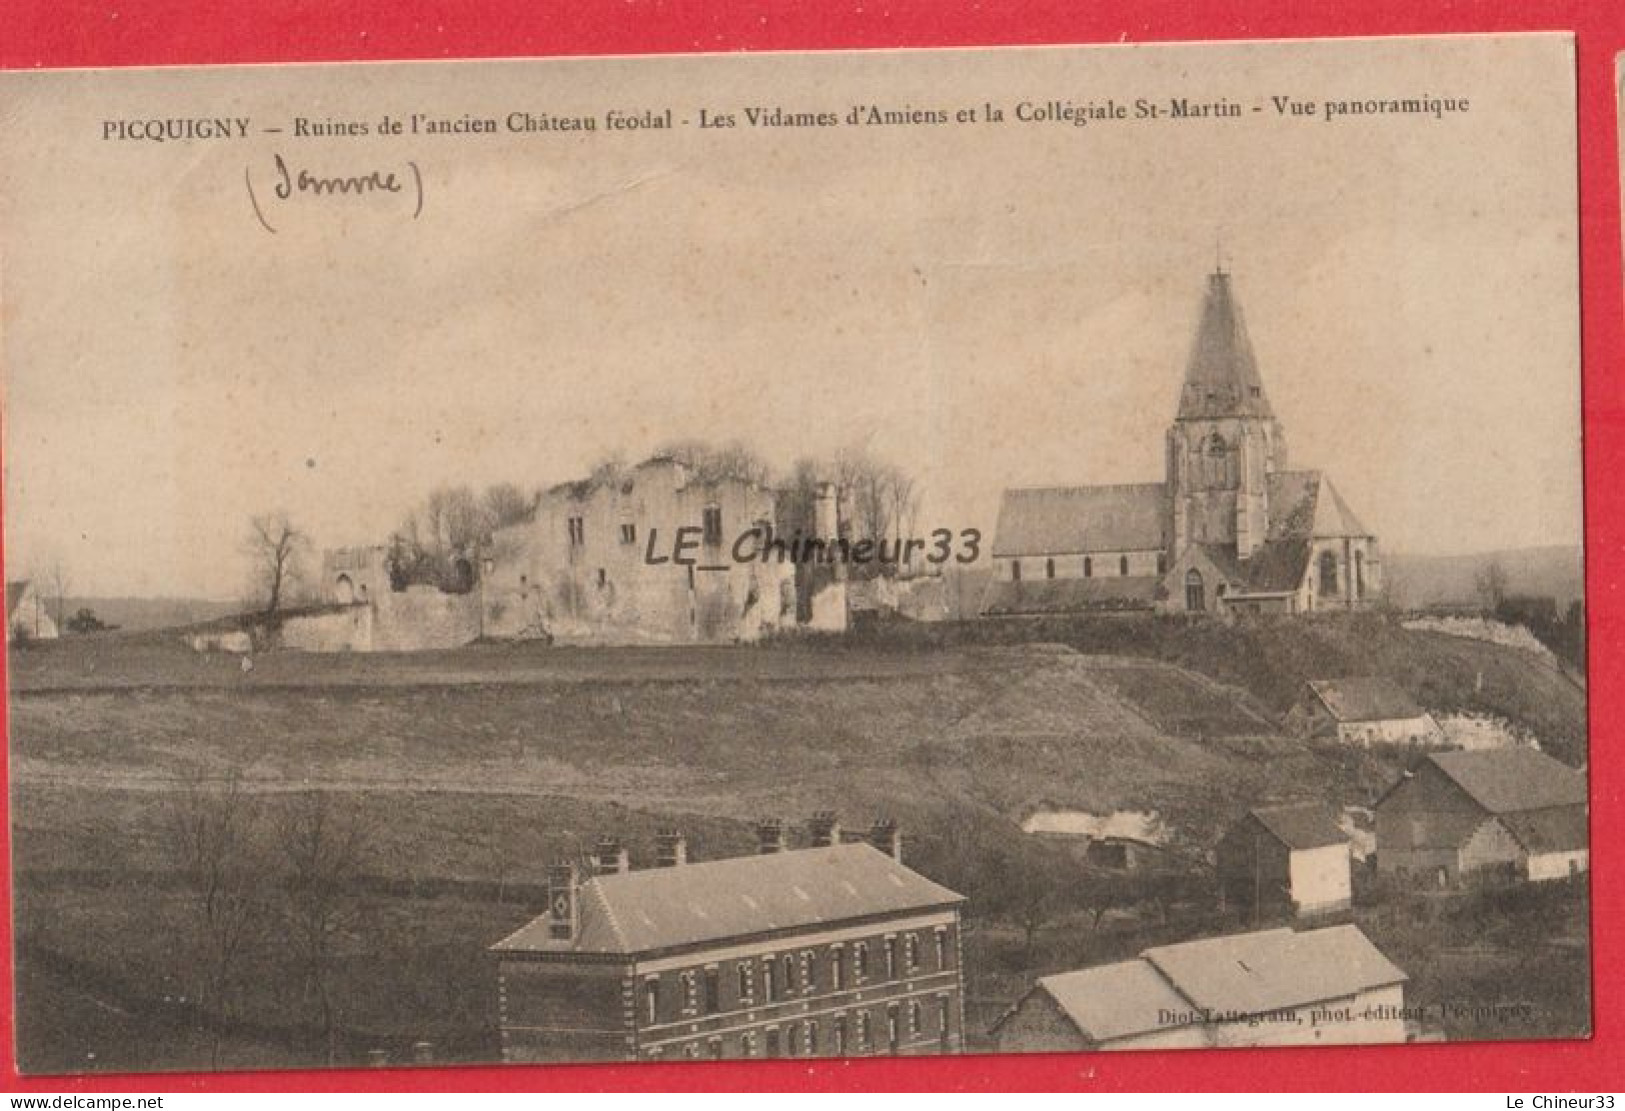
265,883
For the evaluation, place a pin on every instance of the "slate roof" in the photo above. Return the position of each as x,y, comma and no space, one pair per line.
1115,1000
1221,378
1304,505
1066,520
1277,567
1509,780
1560,829
1300,825
1038,596
665,908
1367,698
1268,970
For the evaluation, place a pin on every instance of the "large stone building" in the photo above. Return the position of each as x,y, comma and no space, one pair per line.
1274,987
836,949
652,554
1502,814
1229,529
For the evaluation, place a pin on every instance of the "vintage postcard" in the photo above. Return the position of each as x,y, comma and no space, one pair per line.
795,556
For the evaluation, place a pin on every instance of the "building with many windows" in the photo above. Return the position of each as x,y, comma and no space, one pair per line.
835,949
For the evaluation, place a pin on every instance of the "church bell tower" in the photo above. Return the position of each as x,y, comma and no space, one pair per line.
1225,441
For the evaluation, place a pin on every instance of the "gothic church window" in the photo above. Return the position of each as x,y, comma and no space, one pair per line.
1328,574
1195,595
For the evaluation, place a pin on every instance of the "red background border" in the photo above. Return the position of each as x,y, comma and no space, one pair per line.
65,33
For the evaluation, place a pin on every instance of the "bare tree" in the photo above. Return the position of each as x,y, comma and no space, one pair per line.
504,503
1491,583
882,499
322,848
274,548
211,828
712,463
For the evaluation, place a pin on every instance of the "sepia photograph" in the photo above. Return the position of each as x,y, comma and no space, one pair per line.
805,555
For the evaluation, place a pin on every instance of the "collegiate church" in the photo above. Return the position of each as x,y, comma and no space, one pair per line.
1230,530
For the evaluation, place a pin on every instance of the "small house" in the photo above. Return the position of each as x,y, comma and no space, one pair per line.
1509,814
1291,858
26,615
1271,987
1362,711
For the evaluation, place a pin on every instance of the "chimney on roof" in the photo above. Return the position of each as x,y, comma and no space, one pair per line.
612,857
825,828
770,836
671,849
561,901
884,836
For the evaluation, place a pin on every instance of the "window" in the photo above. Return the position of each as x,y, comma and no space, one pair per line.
1328,574
894,1034
1359,574
1088,568
603,577
651,1001
792,1040
860,962
772,1041
891,957
1122,565
837,969
747,981
1015,570
942,1021
578,531
789,967
911,953
769,987
1049,568
713,990
1162,563
712,521
942,948
914,1018
837,1033
691,992
716,1048
629,533
1195,595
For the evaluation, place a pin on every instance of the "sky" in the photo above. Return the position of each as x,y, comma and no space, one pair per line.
986,305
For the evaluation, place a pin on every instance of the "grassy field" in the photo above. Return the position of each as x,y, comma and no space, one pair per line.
471,770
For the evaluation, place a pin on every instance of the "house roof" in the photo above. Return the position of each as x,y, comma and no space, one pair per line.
15,590
1304,505
1036,596
1510,780
1300,825
1064,520
1115,1000
1365,698
1277,567
665,908
1269,970
1561,829
1221,378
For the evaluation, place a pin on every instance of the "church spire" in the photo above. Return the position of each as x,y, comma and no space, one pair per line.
1221,379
